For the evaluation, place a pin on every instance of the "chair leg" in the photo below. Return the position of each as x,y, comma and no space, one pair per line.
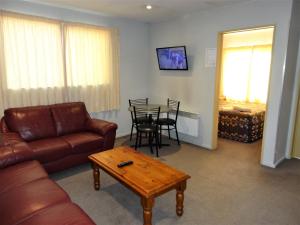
131,132
178,142
140,141
136,139
150,142
156,141
169,132
160,135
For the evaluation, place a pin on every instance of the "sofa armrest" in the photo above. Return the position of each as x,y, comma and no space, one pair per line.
104,128
10,138
13,154
101,127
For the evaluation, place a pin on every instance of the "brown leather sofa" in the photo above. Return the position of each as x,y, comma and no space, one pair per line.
57,137
29,197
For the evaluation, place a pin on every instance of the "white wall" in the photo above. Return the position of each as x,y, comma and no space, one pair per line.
134,50
196,88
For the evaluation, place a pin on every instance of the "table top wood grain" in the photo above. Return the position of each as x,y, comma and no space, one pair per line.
147,177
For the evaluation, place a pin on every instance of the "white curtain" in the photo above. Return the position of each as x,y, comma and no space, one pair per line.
245,73
32,70
45,61
90,66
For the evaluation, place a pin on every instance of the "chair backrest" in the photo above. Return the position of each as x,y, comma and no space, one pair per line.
140,101
174,105
133,102
140,113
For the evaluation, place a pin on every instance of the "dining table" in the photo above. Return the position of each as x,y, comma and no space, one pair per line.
149,108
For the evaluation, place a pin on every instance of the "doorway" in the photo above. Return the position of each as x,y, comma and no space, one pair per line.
243,75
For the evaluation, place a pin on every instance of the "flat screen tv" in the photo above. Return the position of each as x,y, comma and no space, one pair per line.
172,58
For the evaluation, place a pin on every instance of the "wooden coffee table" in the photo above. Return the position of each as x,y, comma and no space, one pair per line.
147,177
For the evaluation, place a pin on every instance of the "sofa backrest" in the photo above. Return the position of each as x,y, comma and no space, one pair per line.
69,117
31,123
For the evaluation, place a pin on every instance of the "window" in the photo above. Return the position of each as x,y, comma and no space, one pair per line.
46,61
85,49
246,62
33,53
246,72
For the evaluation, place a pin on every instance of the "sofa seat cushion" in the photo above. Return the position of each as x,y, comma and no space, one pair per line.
50,149
70,117
23,201
32,123
21,174
55,215
84,142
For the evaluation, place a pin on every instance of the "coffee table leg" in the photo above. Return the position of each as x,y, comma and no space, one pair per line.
180,197
147,204
96,175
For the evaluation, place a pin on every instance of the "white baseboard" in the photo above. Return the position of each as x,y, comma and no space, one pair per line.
279,161
182,137
268,164
288,156
191,140
123,135
273,165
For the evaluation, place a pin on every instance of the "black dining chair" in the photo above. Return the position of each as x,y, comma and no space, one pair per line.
168,122
136,102
151,127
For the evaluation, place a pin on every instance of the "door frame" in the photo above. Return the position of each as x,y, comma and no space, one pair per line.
218,79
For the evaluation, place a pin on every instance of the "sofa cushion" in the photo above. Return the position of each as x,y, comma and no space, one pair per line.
50,149
15,153
20,174
53,215
23,201
31,123
84,142
69,117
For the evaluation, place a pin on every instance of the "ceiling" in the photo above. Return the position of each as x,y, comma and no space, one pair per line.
135,9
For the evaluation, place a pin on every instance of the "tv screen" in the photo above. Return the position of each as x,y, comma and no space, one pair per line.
172,58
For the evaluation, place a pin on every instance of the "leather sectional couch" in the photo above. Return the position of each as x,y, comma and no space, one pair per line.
39,139
29,197
58,136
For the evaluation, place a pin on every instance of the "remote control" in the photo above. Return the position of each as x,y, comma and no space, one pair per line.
125,163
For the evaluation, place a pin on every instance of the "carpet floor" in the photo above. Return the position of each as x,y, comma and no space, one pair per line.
228,187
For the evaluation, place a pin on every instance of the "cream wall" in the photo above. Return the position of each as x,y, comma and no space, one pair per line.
134,57
196,87
296,142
